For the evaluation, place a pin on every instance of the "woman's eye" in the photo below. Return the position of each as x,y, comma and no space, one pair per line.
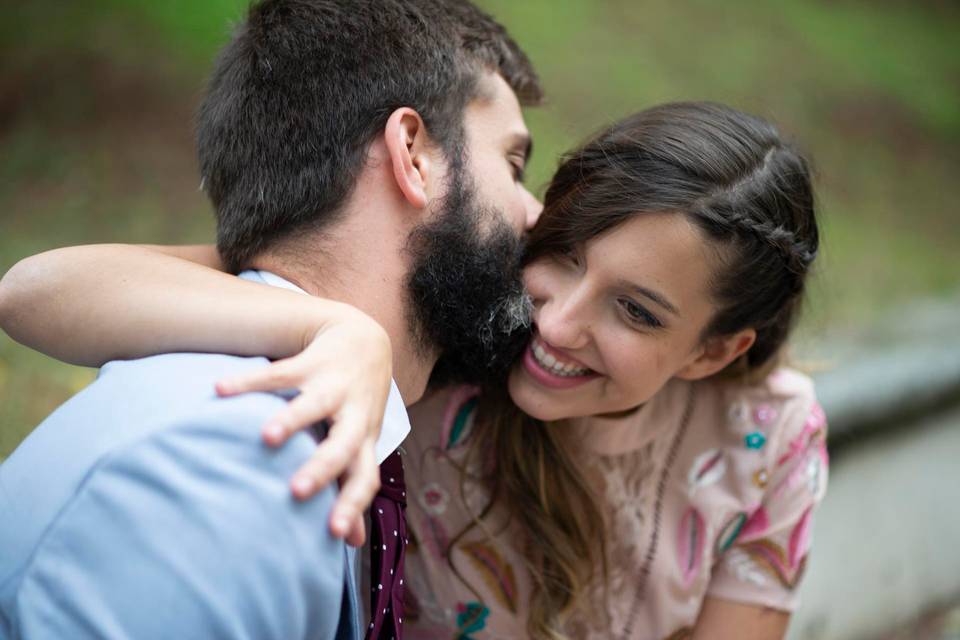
570,256
637,313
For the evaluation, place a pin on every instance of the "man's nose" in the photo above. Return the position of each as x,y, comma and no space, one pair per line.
534,209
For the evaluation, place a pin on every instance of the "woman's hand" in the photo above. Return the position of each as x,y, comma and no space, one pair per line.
344,376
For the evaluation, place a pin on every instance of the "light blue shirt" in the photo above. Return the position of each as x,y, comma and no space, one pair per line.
147,507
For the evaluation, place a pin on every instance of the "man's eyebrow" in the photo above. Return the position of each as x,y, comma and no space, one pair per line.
653,296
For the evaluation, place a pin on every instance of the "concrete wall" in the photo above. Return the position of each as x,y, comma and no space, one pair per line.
887,539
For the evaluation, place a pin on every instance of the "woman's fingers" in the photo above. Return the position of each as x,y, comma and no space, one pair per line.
357,491
358,533
332,457
278,375
303,411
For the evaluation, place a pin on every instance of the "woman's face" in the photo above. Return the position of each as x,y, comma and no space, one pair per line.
616,319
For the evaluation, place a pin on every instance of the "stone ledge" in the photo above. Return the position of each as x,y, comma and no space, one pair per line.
906,364
889,386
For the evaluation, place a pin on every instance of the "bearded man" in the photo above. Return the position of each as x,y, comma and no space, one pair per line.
358,151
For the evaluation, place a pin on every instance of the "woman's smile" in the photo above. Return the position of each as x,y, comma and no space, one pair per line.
552,368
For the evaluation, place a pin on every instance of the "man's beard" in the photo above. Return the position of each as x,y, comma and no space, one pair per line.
466,295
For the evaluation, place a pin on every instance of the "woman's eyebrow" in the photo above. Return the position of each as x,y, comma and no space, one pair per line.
653,296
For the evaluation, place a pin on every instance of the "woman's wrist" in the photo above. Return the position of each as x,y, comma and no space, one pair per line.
365,332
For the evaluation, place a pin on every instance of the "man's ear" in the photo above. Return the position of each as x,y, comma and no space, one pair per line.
410,148
716,353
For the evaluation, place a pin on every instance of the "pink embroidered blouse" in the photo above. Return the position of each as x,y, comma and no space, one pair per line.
708,490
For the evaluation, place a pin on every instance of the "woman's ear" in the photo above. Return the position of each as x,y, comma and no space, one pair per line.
409,148
716,353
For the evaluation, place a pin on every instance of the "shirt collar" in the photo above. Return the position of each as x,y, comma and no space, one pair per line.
396,423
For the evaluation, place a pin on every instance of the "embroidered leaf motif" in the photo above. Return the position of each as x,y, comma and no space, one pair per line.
472,617
707,469
458,416
690,545
496,573
461,422
770,557
756,525
730,532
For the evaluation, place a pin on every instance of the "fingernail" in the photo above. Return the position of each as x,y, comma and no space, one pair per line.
224,388
303,485
273,432
340,525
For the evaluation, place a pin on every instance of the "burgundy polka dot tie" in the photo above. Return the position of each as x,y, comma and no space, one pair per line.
388,540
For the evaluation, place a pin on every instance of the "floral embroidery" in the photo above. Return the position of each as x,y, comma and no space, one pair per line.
707,469
471,617
497,574
760,478
764,415
755,440
690,545
434,498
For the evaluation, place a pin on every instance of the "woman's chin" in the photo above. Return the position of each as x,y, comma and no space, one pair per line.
533,403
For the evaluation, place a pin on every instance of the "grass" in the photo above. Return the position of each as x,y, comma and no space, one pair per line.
96,101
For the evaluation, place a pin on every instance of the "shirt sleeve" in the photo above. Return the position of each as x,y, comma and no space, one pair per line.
189,533
766,560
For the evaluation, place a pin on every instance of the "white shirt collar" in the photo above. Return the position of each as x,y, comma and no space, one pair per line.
396,423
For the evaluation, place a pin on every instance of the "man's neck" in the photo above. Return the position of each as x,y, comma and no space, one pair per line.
370,277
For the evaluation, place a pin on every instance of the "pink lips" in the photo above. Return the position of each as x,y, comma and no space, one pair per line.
549,379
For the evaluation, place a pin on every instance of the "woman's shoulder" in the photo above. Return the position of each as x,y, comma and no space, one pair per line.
758,432
443,419
778,405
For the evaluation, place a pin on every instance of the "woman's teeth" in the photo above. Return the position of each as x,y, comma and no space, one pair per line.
554,366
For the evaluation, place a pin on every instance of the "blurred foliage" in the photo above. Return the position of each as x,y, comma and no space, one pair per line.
96,102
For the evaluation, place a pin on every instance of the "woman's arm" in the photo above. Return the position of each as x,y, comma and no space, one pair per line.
726,620
91,304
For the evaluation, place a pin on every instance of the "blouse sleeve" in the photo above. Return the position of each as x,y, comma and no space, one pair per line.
765,561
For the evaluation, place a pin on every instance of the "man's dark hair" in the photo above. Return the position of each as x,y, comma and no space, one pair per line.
304,87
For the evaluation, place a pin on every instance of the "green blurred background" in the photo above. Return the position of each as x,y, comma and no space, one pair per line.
97,96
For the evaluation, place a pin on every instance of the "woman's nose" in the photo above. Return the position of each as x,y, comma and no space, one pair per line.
564,323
